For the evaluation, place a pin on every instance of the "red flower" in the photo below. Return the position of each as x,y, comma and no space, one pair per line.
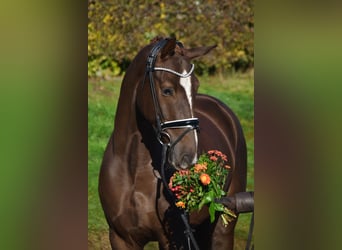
205,179
213,158
184,172
218,153
170,183
215,154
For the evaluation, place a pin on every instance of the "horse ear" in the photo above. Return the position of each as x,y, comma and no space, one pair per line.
169,48
199,51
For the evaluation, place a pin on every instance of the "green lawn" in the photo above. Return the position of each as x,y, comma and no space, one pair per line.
236,91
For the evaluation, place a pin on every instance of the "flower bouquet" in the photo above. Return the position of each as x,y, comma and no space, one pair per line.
202,184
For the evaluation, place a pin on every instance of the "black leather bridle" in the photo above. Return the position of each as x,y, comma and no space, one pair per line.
162,125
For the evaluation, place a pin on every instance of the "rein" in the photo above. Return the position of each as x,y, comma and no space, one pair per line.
189,124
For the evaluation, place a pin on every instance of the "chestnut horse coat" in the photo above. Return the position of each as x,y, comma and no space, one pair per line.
134,200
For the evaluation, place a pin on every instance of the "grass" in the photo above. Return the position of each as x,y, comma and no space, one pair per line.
236,91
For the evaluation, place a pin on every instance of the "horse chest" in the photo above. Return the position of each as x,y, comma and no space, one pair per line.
142,210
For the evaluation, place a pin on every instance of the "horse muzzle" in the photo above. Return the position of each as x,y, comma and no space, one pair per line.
186,162
180,137
183,154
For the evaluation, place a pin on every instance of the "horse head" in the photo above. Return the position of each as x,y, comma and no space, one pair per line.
166,98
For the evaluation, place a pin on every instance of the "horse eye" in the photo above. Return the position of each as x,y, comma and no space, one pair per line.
168,91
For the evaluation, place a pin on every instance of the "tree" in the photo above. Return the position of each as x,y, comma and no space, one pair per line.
118,30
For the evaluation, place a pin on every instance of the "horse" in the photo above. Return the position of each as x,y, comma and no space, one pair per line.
162,125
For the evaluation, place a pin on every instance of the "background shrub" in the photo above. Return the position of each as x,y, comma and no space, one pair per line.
118,29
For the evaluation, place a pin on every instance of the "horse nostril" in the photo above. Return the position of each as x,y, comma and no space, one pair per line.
186,162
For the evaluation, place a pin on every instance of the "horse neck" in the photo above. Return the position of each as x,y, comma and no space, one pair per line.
132,131
125,121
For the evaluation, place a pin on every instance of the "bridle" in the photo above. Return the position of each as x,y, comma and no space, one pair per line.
161,126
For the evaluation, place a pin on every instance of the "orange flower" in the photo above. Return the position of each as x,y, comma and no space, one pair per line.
227,167
180,204
200,167
205,179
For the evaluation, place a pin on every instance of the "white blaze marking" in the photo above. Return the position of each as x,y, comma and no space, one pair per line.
196,141
186,84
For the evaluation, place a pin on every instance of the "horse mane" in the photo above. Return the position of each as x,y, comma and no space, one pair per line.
156,39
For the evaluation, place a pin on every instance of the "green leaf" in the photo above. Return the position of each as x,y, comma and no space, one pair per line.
212,212
179,182
208,197
218,206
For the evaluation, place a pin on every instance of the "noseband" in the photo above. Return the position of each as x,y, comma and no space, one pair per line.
162,125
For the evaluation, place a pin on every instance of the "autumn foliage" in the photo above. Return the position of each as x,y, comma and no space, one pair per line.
117,30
